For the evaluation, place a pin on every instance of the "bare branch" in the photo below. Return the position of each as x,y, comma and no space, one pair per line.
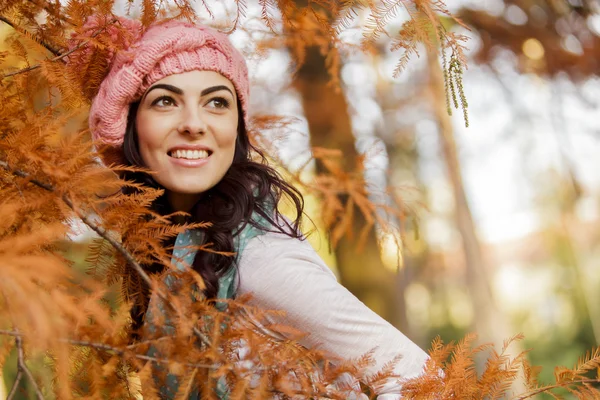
15,385
23,369
13,390
10,333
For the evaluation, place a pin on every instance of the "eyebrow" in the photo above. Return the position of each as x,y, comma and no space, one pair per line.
215,89
178,91
165,86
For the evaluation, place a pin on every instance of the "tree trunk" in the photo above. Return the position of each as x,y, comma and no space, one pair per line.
489,322
326,111
403,160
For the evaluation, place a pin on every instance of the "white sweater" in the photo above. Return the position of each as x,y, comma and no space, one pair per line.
283,273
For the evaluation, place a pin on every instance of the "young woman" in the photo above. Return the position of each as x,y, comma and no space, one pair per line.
176,101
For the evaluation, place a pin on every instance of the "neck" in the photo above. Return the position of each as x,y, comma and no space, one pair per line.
182,202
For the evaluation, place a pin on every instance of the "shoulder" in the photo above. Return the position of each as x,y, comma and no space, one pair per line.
283,273
273,259
272,247
270,238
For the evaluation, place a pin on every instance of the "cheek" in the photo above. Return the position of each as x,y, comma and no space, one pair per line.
227,139
150,137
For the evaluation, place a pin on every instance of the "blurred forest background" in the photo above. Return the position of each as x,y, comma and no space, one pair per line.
502,234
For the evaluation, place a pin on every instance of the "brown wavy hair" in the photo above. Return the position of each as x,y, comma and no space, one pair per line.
248,187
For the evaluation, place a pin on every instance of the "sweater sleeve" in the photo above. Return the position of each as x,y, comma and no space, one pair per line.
286,274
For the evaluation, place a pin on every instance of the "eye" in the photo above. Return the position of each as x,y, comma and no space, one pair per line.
164,101
219,102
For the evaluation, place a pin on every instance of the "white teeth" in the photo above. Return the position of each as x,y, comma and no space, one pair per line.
190,154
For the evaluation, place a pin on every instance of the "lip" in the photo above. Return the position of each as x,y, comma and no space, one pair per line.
189,163
189,147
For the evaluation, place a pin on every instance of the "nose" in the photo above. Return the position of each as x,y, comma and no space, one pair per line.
191,122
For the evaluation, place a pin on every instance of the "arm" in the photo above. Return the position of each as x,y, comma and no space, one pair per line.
286,274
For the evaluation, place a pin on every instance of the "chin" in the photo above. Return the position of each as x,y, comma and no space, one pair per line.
189,187
190,190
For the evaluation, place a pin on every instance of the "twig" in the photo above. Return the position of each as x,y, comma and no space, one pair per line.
130,259
23,369
59,57
556,386
48,8
104,234
15,385
48,46
125,352
146,342
21,71
119,351
22,174
108,348
238,14
10,333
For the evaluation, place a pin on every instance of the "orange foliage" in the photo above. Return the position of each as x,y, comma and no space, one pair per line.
50,178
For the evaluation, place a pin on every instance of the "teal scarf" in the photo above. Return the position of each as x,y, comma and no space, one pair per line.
181,258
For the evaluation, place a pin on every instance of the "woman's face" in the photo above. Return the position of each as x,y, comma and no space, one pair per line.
187,129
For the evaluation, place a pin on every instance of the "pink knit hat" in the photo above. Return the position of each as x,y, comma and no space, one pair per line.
165,49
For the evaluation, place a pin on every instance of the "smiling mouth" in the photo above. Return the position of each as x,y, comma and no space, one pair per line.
190,154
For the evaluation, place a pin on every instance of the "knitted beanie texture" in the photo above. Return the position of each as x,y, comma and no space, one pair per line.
166,48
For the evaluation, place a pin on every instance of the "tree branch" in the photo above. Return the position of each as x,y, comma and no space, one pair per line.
15,385
22,174
108,348
104,234
546,389
13,390
48,46
125,352
58,57
50,10
23,369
